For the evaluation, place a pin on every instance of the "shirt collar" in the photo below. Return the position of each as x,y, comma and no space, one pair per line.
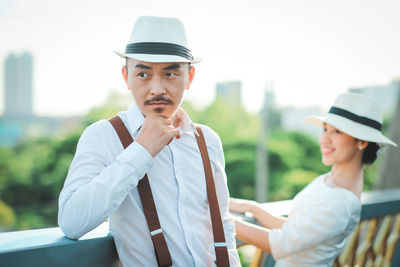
187,124
135,119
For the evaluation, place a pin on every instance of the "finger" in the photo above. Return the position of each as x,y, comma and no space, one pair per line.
167,122
175,132
177,120
177,117
179,135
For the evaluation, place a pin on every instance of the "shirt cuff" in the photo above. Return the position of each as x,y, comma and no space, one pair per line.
137,157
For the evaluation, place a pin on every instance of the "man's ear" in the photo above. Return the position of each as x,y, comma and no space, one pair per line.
125,74
191,76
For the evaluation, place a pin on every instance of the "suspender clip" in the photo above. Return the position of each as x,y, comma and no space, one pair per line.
156,232
220,244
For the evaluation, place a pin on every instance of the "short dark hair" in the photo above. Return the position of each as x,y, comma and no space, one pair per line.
370,153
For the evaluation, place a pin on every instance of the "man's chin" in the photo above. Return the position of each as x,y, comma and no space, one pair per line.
159,111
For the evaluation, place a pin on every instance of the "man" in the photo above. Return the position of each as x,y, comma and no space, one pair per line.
103,178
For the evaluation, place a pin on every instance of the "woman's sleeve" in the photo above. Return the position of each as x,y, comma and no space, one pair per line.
318,218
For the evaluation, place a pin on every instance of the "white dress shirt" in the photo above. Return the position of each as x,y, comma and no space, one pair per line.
102,183
320,221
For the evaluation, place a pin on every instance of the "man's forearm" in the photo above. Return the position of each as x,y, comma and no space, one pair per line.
93,192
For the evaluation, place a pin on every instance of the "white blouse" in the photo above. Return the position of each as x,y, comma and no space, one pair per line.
320,221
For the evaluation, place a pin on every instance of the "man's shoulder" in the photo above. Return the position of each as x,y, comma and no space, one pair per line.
211,137
208,132
101,127
103,123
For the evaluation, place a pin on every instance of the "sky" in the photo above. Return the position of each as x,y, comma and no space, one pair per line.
310,50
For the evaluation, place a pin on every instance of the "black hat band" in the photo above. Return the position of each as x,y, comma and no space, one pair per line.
354,117
157,48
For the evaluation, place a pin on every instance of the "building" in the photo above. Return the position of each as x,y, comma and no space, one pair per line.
19,121
386,95
18,80
293,119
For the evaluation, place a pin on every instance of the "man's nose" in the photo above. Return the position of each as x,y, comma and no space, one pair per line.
157,87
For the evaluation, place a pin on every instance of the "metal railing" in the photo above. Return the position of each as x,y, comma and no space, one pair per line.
49,246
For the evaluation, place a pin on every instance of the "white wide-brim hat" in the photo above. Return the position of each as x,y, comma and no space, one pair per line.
357,115
158,39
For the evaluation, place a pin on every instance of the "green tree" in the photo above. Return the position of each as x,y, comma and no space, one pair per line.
231,122
7,216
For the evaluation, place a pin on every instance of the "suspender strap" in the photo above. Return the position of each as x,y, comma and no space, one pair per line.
221,250
149,208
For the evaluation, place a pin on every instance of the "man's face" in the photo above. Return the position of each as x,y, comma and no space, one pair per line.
157,87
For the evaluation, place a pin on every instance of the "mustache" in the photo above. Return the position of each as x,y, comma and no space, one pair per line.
159,99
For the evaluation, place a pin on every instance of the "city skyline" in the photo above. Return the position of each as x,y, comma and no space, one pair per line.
311,51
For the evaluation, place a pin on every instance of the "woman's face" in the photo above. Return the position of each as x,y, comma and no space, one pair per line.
338,148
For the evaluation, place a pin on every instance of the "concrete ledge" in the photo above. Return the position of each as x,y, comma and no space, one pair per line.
49,247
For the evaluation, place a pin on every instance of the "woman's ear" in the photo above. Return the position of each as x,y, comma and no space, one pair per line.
362,144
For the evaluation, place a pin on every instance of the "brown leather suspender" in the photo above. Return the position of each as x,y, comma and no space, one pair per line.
221,249
146,196
150,211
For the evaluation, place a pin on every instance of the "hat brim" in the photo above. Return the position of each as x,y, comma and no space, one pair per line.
157,58
351,128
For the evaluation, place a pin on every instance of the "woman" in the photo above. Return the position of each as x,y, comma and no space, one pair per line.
327,210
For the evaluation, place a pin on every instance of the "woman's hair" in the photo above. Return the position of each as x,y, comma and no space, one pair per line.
370,153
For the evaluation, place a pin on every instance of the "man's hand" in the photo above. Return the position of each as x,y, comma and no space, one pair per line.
156,132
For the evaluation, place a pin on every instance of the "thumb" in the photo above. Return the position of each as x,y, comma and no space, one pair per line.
177,133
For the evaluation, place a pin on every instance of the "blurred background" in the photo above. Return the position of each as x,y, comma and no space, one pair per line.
266,65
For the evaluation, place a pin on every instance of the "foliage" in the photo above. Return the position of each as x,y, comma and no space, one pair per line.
35,175
7,216
231,122
289,172
114,104
32,173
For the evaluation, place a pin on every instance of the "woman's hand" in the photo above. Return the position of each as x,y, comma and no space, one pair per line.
241,205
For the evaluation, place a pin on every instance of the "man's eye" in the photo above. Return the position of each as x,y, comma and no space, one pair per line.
337,131
143,75
171,75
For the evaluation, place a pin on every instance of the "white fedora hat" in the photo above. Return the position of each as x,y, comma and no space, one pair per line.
158,39
357,115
